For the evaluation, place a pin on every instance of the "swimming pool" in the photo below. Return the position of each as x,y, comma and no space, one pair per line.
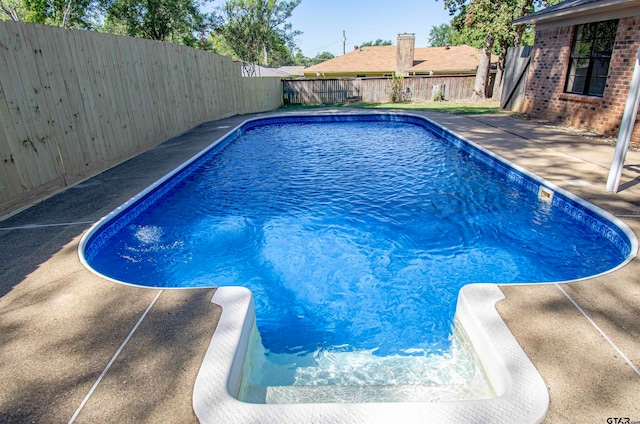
285,240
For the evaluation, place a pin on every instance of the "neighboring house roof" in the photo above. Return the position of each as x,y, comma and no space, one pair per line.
573,8
264,71
294,71
382,59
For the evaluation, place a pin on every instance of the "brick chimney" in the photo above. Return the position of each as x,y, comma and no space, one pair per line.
404,53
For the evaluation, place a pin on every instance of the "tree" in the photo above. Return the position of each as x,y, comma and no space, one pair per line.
279,53
465,34
491,20
322,57
254,28
177,21
441,35
12,10
300,59
378,42
475,17
80,14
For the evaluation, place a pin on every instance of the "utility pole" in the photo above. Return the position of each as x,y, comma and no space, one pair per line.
344,42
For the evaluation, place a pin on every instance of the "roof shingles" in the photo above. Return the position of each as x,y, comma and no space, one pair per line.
382,59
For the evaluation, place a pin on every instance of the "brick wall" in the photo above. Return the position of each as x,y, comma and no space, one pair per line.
544,93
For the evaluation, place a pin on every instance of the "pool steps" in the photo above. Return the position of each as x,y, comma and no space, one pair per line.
521,394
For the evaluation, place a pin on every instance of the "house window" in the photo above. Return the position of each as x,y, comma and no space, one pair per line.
590,56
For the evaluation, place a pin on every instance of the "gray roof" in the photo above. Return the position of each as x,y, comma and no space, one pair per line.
292,70
262,71
266,71
571,7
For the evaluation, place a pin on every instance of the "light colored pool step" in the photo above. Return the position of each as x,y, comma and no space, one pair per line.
353,394
521,393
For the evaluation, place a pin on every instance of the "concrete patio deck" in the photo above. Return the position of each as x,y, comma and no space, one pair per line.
61,325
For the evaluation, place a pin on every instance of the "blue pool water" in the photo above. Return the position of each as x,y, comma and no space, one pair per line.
353,236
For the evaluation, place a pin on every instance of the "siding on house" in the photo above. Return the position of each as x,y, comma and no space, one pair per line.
544,94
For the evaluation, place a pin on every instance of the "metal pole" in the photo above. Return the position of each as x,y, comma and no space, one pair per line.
626,129
344,42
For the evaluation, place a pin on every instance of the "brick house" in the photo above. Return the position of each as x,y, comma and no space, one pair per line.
582,62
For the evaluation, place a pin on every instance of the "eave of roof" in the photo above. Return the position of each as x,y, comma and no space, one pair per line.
569,8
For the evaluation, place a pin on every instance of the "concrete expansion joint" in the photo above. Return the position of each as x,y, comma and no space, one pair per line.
113,359
35,226
602,333
499,128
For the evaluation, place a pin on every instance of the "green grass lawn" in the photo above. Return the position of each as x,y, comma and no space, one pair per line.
459,108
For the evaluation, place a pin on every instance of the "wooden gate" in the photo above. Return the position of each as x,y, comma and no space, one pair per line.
515,77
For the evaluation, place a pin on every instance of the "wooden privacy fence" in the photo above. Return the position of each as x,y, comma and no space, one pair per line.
73,103
375,90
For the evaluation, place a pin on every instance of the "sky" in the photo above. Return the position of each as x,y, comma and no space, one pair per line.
322,22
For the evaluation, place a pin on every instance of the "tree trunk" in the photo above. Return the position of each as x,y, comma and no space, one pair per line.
482,75
11,12
65,14
497,85
266,57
